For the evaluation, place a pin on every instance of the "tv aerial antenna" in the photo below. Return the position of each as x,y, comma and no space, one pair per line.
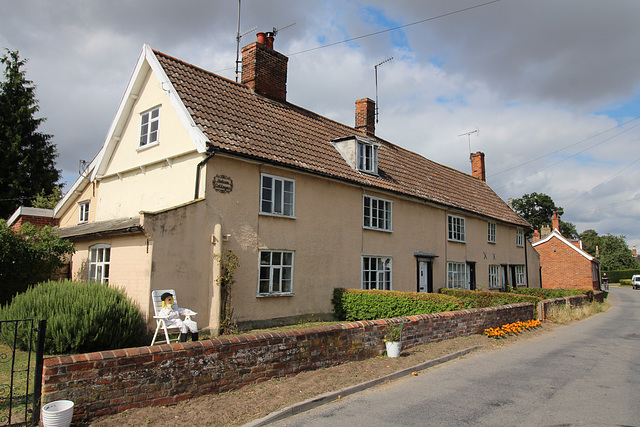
468,135
238,37
376,73
275,30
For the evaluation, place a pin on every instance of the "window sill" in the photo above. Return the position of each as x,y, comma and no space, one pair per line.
278,215
457,241
364,227
147,146
274,295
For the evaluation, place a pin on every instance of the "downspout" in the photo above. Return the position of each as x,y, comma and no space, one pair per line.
212,153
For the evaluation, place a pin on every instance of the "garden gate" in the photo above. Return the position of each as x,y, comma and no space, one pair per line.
20,376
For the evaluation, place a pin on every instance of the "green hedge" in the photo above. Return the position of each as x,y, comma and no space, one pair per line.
356,304
616,275
81,317
480,299
553,293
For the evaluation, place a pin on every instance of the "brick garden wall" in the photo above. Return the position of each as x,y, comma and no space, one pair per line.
572,301
108,382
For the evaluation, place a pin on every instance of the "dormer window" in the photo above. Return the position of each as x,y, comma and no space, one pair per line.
361,154
367,157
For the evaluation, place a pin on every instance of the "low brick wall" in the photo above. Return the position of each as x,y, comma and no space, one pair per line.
108,382
573,301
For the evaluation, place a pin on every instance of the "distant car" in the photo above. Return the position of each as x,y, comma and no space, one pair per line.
635,281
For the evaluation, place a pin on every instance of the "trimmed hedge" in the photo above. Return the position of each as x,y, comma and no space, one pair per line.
616,275
81,317
480,299
544,293
356,304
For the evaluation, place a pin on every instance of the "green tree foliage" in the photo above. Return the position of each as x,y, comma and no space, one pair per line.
47,201
29,256
538,209
613,251
81,317
27,157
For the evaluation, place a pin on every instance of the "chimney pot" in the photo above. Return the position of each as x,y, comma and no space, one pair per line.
366,116
477,166
262,38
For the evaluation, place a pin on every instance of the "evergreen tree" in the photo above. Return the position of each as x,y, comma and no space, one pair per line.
27,157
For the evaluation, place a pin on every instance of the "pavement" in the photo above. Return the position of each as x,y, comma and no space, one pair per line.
314,402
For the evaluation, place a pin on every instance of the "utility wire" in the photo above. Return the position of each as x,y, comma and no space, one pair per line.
604,182
569,157
562,149
444,15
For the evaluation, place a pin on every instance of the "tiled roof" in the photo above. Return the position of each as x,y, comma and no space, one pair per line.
240,122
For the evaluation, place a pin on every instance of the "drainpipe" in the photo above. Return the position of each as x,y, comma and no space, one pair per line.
202,163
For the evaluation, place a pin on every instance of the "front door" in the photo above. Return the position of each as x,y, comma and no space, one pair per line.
424,281
471,276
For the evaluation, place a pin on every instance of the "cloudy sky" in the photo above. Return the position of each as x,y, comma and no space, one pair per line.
553,86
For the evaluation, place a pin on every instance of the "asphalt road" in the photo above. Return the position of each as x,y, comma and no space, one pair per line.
583,374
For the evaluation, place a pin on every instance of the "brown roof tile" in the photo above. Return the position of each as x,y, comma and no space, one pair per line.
240,122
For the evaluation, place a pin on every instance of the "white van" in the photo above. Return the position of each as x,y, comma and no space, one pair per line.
635,281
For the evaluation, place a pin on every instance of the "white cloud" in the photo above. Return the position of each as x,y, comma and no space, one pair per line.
530,75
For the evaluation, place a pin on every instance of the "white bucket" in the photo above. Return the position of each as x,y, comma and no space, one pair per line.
393,348
57,414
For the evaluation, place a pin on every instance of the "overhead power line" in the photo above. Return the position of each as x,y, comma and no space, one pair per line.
444,15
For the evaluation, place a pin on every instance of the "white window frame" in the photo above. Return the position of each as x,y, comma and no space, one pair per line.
491,232
149,128
277,199
367,157
457,275
456,228
99,263
494,277
519,237
377,272
521,277
376,213
275,272
83,211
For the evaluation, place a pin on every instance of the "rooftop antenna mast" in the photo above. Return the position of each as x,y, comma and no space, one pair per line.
468,135
376,72
238,37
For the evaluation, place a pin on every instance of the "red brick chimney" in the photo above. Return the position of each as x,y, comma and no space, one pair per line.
555,222
535,237
477,166
263,69
366,116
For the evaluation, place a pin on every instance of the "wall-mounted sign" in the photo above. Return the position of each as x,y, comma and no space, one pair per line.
222,184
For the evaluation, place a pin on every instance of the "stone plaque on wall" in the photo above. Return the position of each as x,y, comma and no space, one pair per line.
222,184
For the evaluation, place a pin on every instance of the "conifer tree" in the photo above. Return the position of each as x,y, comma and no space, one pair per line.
27,156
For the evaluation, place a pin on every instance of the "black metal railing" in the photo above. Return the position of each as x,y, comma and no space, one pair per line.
21,384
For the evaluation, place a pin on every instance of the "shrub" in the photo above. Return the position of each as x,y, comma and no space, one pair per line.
480,299
81,317
356,304
626,282
544,293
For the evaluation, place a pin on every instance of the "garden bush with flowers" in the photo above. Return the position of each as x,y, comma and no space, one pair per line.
511,329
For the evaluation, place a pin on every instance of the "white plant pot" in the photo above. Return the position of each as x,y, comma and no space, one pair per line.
393,348
57,414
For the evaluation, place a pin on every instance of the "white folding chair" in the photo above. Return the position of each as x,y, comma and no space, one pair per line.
161,321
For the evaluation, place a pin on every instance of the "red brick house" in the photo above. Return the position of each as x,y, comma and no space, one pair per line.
36,216
563,262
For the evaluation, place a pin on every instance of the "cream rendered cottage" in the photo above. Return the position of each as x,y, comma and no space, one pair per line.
196,165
